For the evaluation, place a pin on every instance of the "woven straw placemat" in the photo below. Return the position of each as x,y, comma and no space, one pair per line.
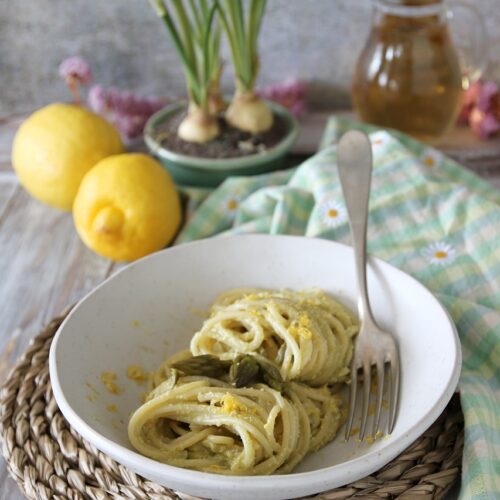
50,460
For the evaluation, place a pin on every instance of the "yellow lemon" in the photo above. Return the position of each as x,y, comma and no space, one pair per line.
56,146
127,207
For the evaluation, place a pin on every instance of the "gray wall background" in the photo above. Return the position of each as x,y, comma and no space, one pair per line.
127,46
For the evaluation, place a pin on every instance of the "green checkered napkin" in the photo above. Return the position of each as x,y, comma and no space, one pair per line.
428,216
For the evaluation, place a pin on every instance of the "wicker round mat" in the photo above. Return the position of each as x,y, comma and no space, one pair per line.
49,460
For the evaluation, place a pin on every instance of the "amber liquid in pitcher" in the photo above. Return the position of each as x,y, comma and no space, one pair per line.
408,77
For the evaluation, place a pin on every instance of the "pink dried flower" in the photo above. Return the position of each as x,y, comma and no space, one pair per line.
98,99
472,93
486,97
126,102
481,109
114,98
290,93
77,68
484,124
298,108
153,104
130,126
128,111
136,105
75,71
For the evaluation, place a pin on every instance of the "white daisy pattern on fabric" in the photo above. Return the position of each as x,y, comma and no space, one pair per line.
377,139
439,252
332,213
431,158
230,205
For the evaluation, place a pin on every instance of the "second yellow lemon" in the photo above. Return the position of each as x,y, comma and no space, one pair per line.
127,207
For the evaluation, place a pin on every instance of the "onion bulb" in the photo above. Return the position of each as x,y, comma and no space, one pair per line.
248,112
198,126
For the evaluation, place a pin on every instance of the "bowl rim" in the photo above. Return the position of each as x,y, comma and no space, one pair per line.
222,164
261,483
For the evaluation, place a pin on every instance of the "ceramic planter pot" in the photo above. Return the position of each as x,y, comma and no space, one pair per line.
210,172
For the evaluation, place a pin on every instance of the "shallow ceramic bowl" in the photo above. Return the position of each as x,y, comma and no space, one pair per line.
151,309
209,172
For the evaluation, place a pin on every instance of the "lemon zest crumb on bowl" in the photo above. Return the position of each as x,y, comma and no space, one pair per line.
109,381
137,374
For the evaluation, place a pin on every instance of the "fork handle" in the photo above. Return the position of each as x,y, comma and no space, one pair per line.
354,159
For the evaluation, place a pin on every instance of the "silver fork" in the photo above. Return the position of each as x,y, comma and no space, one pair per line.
373,347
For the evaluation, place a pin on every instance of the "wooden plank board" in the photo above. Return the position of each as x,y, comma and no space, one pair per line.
44,267
8,127
8,188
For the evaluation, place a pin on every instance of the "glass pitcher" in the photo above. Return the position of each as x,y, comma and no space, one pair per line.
411,73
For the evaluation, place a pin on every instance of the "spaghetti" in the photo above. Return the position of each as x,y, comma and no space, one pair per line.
238,402
307,334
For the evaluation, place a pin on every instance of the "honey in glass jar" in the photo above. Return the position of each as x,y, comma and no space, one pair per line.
408,76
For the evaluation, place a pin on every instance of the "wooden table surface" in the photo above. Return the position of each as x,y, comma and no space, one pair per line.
44,267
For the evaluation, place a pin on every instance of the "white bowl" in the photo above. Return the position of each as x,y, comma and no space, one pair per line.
151,309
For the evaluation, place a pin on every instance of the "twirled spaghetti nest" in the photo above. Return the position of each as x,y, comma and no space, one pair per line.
251,395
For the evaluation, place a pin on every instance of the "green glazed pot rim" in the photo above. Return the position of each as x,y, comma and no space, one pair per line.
240,162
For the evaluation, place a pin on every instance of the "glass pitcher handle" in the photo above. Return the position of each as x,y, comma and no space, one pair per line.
468,30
